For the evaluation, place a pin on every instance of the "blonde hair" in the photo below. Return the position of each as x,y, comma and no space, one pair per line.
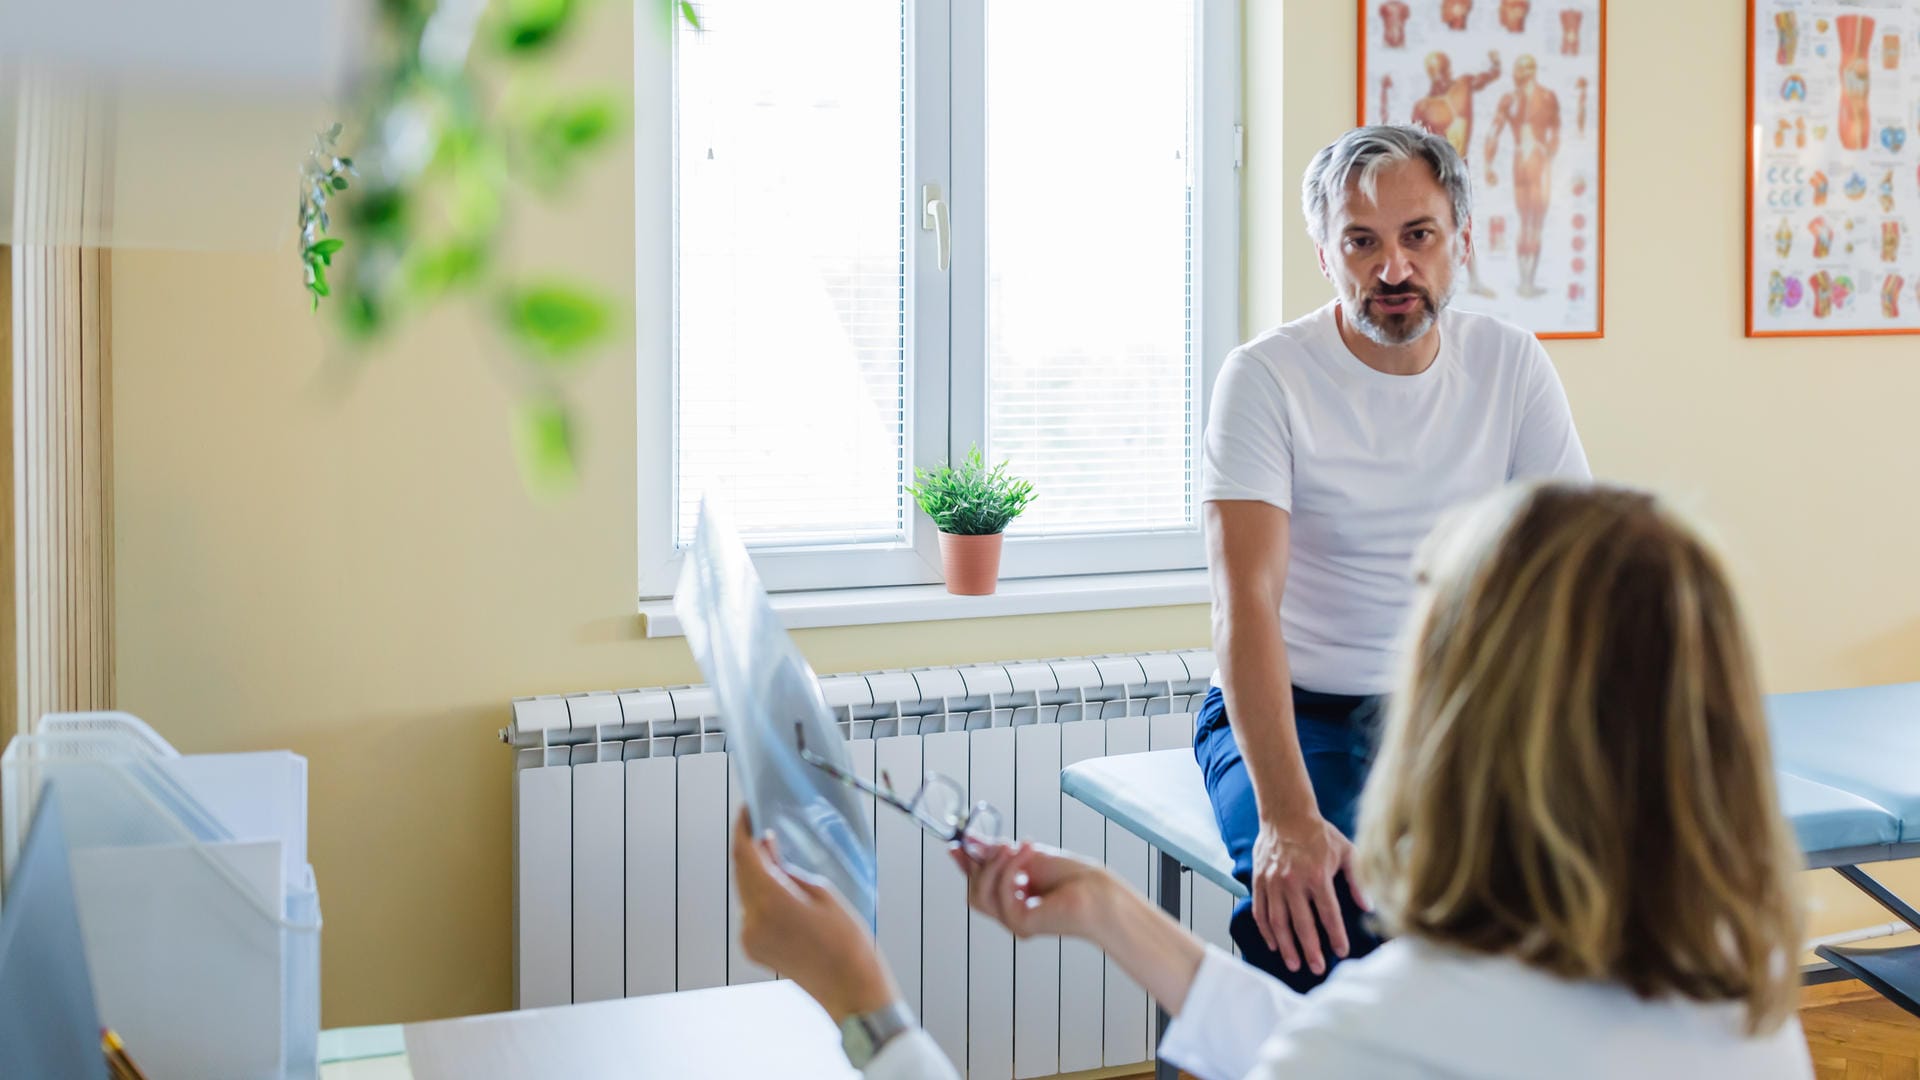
1575,771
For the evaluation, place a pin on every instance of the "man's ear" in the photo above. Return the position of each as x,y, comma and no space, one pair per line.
1320,253
1466,243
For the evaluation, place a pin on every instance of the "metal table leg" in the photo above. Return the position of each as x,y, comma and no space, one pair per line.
1893,973
1170,869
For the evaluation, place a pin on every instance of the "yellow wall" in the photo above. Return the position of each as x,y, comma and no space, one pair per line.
335,554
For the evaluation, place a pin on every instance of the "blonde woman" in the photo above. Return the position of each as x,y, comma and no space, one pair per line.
1571,837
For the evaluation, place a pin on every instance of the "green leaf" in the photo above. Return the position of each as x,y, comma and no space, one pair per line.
561,132
692,17
380,211
556,322
334,131
360,315
433,270
326,247
971,499
582,123
543,434
320,280
339,183
457,145
405,16
475,205
532,24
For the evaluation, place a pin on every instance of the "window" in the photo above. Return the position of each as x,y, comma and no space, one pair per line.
901,228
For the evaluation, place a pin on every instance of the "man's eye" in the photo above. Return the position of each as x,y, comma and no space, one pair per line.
1420,236
1359,242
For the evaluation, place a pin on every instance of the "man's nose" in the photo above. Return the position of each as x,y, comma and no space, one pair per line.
1397,267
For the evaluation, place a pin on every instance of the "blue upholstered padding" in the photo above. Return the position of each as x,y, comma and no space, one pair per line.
1159,797
1849,765
1828,819
1864,741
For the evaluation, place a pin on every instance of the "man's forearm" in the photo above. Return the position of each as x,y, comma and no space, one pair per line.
1257,683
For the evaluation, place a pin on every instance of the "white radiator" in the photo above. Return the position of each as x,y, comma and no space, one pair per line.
623,803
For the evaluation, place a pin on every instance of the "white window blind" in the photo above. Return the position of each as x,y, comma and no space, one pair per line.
816,338
791,366
1090,183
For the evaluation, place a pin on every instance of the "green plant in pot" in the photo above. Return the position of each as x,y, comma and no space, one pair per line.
971,505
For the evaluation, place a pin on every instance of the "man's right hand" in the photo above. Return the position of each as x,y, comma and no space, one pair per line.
1294,861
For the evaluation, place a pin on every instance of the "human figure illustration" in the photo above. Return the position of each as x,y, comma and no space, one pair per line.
1533,112
1569,32
1856,40
1393,24
1447,111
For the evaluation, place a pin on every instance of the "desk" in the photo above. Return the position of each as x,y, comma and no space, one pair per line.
694,1033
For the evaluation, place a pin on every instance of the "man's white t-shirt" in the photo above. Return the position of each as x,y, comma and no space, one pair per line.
1365,464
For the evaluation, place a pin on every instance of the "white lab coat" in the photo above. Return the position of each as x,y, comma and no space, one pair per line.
1417,1009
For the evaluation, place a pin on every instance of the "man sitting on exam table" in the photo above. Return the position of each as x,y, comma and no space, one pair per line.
1333,444
1572,836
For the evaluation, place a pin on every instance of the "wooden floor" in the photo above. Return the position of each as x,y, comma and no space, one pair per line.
1852,1034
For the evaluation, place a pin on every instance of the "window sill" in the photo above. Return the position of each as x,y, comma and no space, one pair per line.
931,603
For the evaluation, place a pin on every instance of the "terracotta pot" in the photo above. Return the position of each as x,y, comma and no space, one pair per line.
971,563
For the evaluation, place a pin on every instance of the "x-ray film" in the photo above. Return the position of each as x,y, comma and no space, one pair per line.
764,689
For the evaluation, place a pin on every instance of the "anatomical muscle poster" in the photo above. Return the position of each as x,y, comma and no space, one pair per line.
1833,196
1518,87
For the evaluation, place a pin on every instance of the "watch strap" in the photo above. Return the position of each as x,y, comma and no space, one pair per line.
863,1036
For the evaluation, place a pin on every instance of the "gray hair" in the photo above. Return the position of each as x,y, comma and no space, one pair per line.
1357,158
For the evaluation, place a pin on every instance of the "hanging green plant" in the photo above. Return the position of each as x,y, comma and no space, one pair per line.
324,174
446,152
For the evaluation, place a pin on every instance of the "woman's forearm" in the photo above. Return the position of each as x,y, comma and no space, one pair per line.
1157,952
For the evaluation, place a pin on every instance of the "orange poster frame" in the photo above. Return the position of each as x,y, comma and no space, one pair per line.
1600,195
1752,170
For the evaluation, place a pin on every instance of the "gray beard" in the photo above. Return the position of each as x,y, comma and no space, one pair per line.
1383,334
1398,334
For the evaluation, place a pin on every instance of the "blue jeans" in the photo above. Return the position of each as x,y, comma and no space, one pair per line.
1337,735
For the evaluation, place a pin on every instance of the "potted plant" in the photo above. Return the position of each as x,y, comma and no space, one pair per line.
971,505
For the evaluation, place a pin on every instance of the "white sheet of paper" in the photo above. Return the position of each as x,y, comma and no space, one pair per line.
257,796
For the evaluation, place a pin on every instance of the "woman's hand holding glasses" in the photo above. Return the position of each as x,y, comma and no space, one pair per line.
1034,889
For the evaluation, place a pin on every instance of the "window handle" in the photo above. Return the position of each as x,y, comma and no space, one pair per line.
933,218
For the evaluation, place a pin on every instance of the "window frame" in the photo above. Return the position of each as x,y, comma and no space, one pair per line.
945,361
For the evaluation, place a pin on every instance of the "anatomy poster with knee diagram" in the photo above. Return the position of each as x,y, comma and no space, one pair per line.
1834,89
1517,87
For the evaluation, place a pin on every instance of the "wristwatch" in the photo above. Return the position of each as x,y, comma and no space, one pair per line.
863,1035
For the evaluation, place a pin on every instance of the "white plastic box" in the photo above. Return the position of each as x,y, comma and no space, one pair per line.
202,929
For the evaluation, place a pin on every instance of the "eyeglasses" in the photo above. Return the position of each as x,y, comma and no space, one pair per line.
939,806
